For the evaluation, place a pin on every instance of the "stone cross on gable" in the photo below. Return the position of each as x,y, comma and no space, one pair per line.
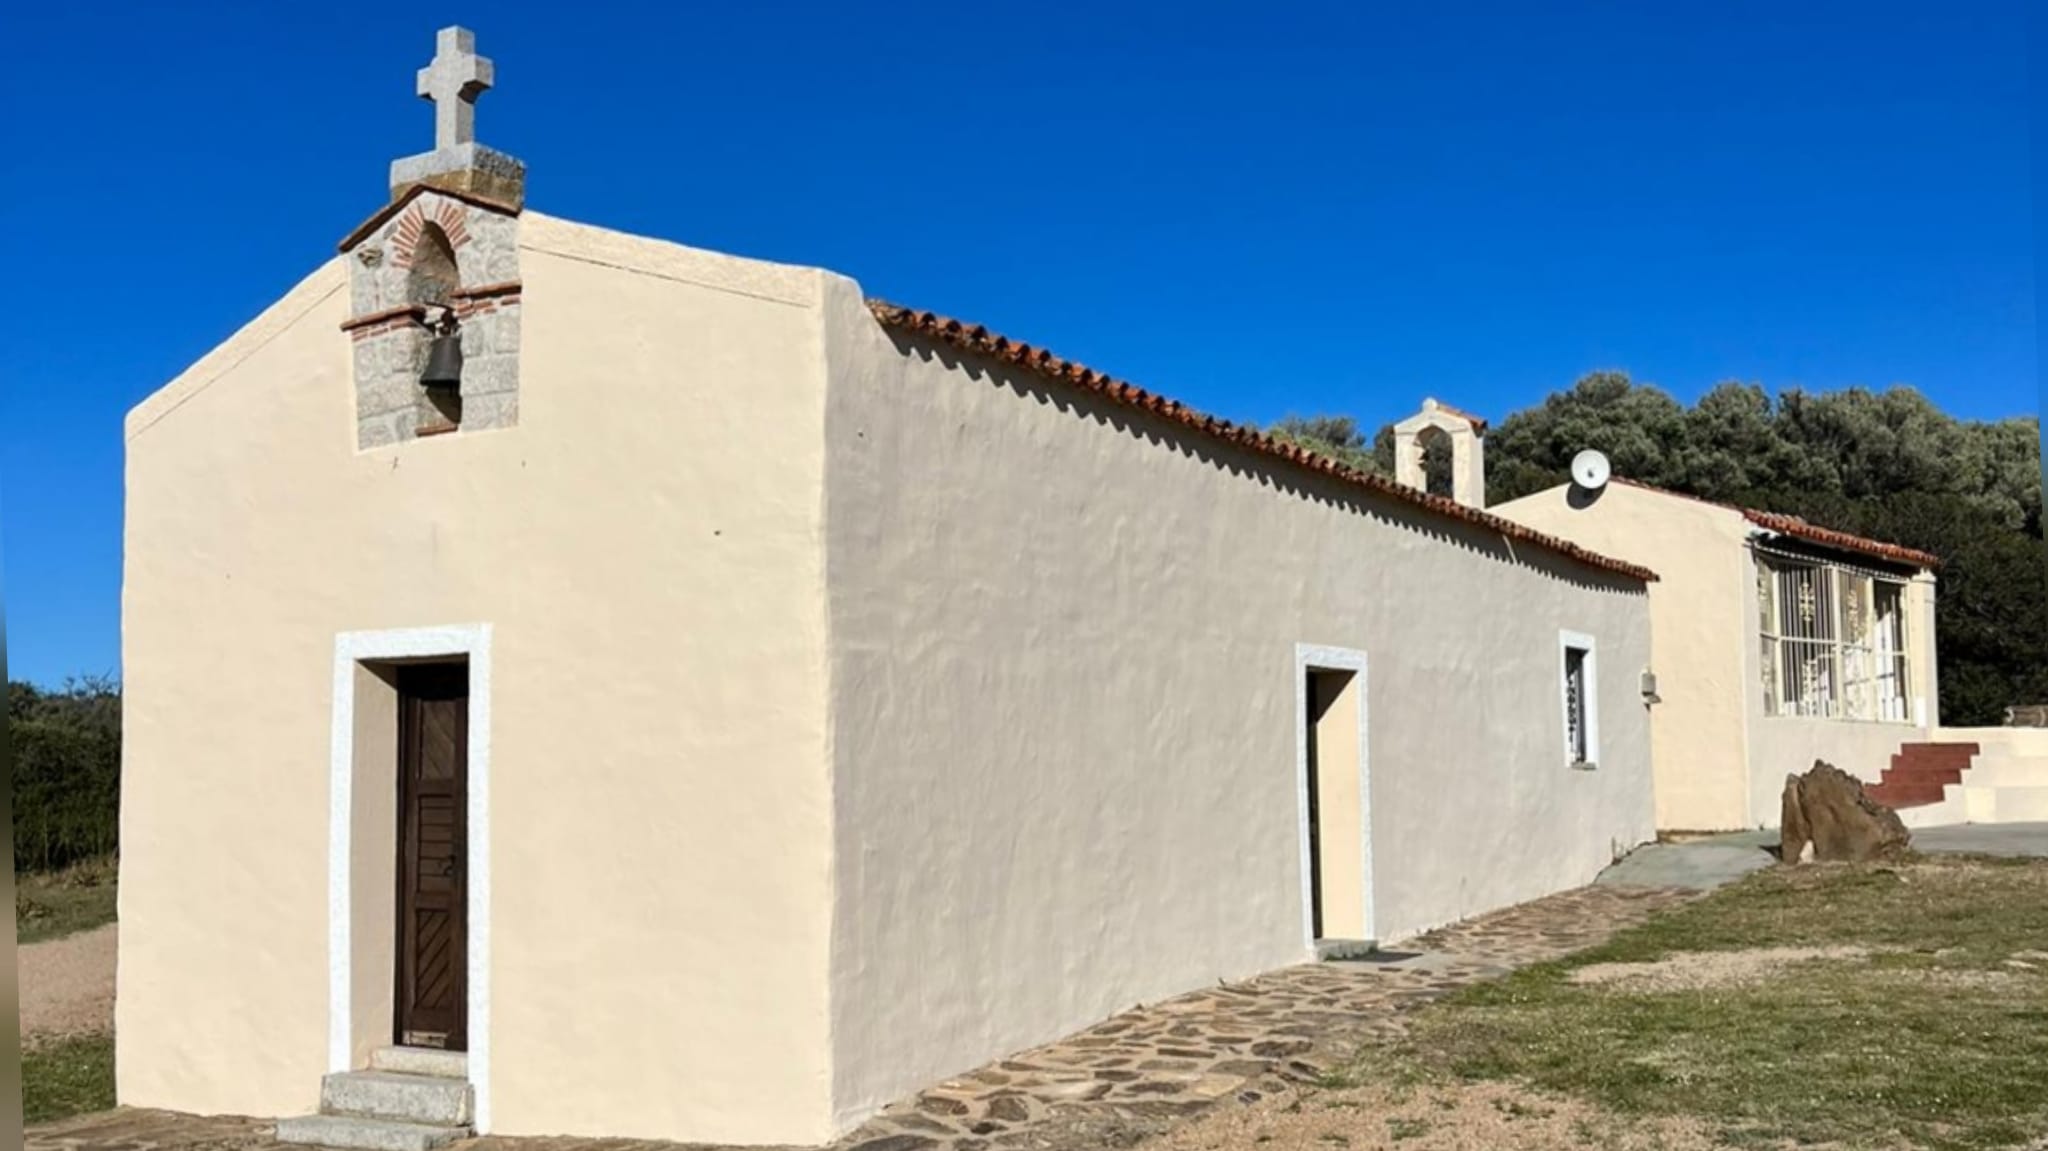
453,81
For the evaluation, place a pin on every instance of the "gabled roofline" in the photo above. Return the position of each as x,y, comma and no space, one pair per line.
1799,528
322,283
1478,422
377,218
979,340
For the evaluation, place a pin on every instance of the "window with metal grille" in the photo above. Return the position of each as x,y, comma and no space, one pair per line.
1833,641
1575,706
1580,691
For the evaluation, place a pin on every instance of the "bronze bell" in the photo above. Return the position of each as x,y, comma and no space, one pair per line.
444,361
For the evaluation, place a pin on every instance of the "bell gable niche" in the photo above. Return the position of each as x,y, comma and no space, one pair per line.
434,264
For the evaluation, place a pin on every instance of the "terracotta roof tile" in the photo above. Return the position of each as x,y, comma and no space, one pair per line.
1800,528
1478,422
1795,526
977,339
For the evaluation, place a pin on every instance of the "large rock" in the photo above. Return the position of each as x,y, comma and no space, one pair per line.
1795,837
1828,808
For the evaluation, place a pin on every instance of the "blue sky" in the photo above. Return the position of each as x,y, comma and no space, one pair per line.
1259,209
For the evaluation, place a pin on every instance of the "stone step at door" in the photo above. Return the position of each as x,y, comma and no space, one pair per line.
355,1133
408,1100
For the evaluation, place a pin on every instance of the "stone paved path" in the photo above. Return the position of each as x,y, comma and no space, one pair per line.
1124,1079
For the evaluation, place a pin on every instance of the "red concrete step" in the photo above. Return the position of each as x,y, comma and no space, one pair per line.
1904,796
1946,752
1920,771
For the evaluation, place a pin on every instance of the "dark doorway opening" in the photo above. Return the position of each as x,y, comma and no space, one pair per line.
1336,874
1438,454
1315,818
432,993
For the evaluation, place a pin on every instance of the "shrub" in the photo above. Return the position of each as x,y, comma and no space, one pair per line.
67,772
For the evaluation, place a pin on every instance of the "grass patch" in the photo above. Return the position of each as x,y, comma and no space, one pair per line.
55,904
1938,1039
67,1077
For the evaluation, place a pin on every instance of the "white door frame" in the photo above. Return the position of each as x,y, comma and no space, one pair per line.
1313,657
350,649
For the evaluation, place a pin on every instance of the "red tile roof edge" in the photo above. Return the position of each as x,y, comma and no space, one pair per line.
1799,528
1795,526
1478,422
977,339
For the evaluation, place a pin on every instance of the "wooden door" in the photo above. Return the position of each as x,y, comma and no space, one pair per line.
433,840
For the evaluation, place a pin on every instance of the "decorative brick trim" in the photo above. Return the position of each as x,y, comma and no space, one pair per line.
484,291
453,222
386,328
405,237
386,319
364,230
472,302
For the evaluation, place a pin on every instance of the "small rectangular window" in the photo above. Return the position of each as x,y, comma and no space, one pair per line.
1580,690
1575,704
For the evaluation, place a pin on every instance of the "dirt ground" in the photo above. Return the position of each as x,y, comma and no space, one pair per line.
1710,970
67,985
1451,1117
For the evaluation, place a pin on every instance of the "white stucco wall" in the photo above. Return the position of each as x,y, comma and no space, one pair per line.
1721,761
1064,740
1699,726
645,547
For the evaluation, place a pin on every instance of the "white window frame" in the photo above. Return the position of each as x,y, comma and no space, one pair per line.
1856,668
1590,695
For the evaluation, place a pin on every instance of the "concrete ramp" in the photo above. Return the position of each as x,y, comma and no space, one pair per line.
2012,840
1701,864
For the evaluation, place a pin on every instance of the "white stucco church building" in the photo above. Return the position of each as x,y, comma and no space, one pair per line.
575,664
651,692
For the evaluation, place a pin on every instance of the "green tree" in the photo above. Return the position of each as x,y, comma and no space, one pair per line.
1337,437
1642,430
67,771
1732,445
1885,464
